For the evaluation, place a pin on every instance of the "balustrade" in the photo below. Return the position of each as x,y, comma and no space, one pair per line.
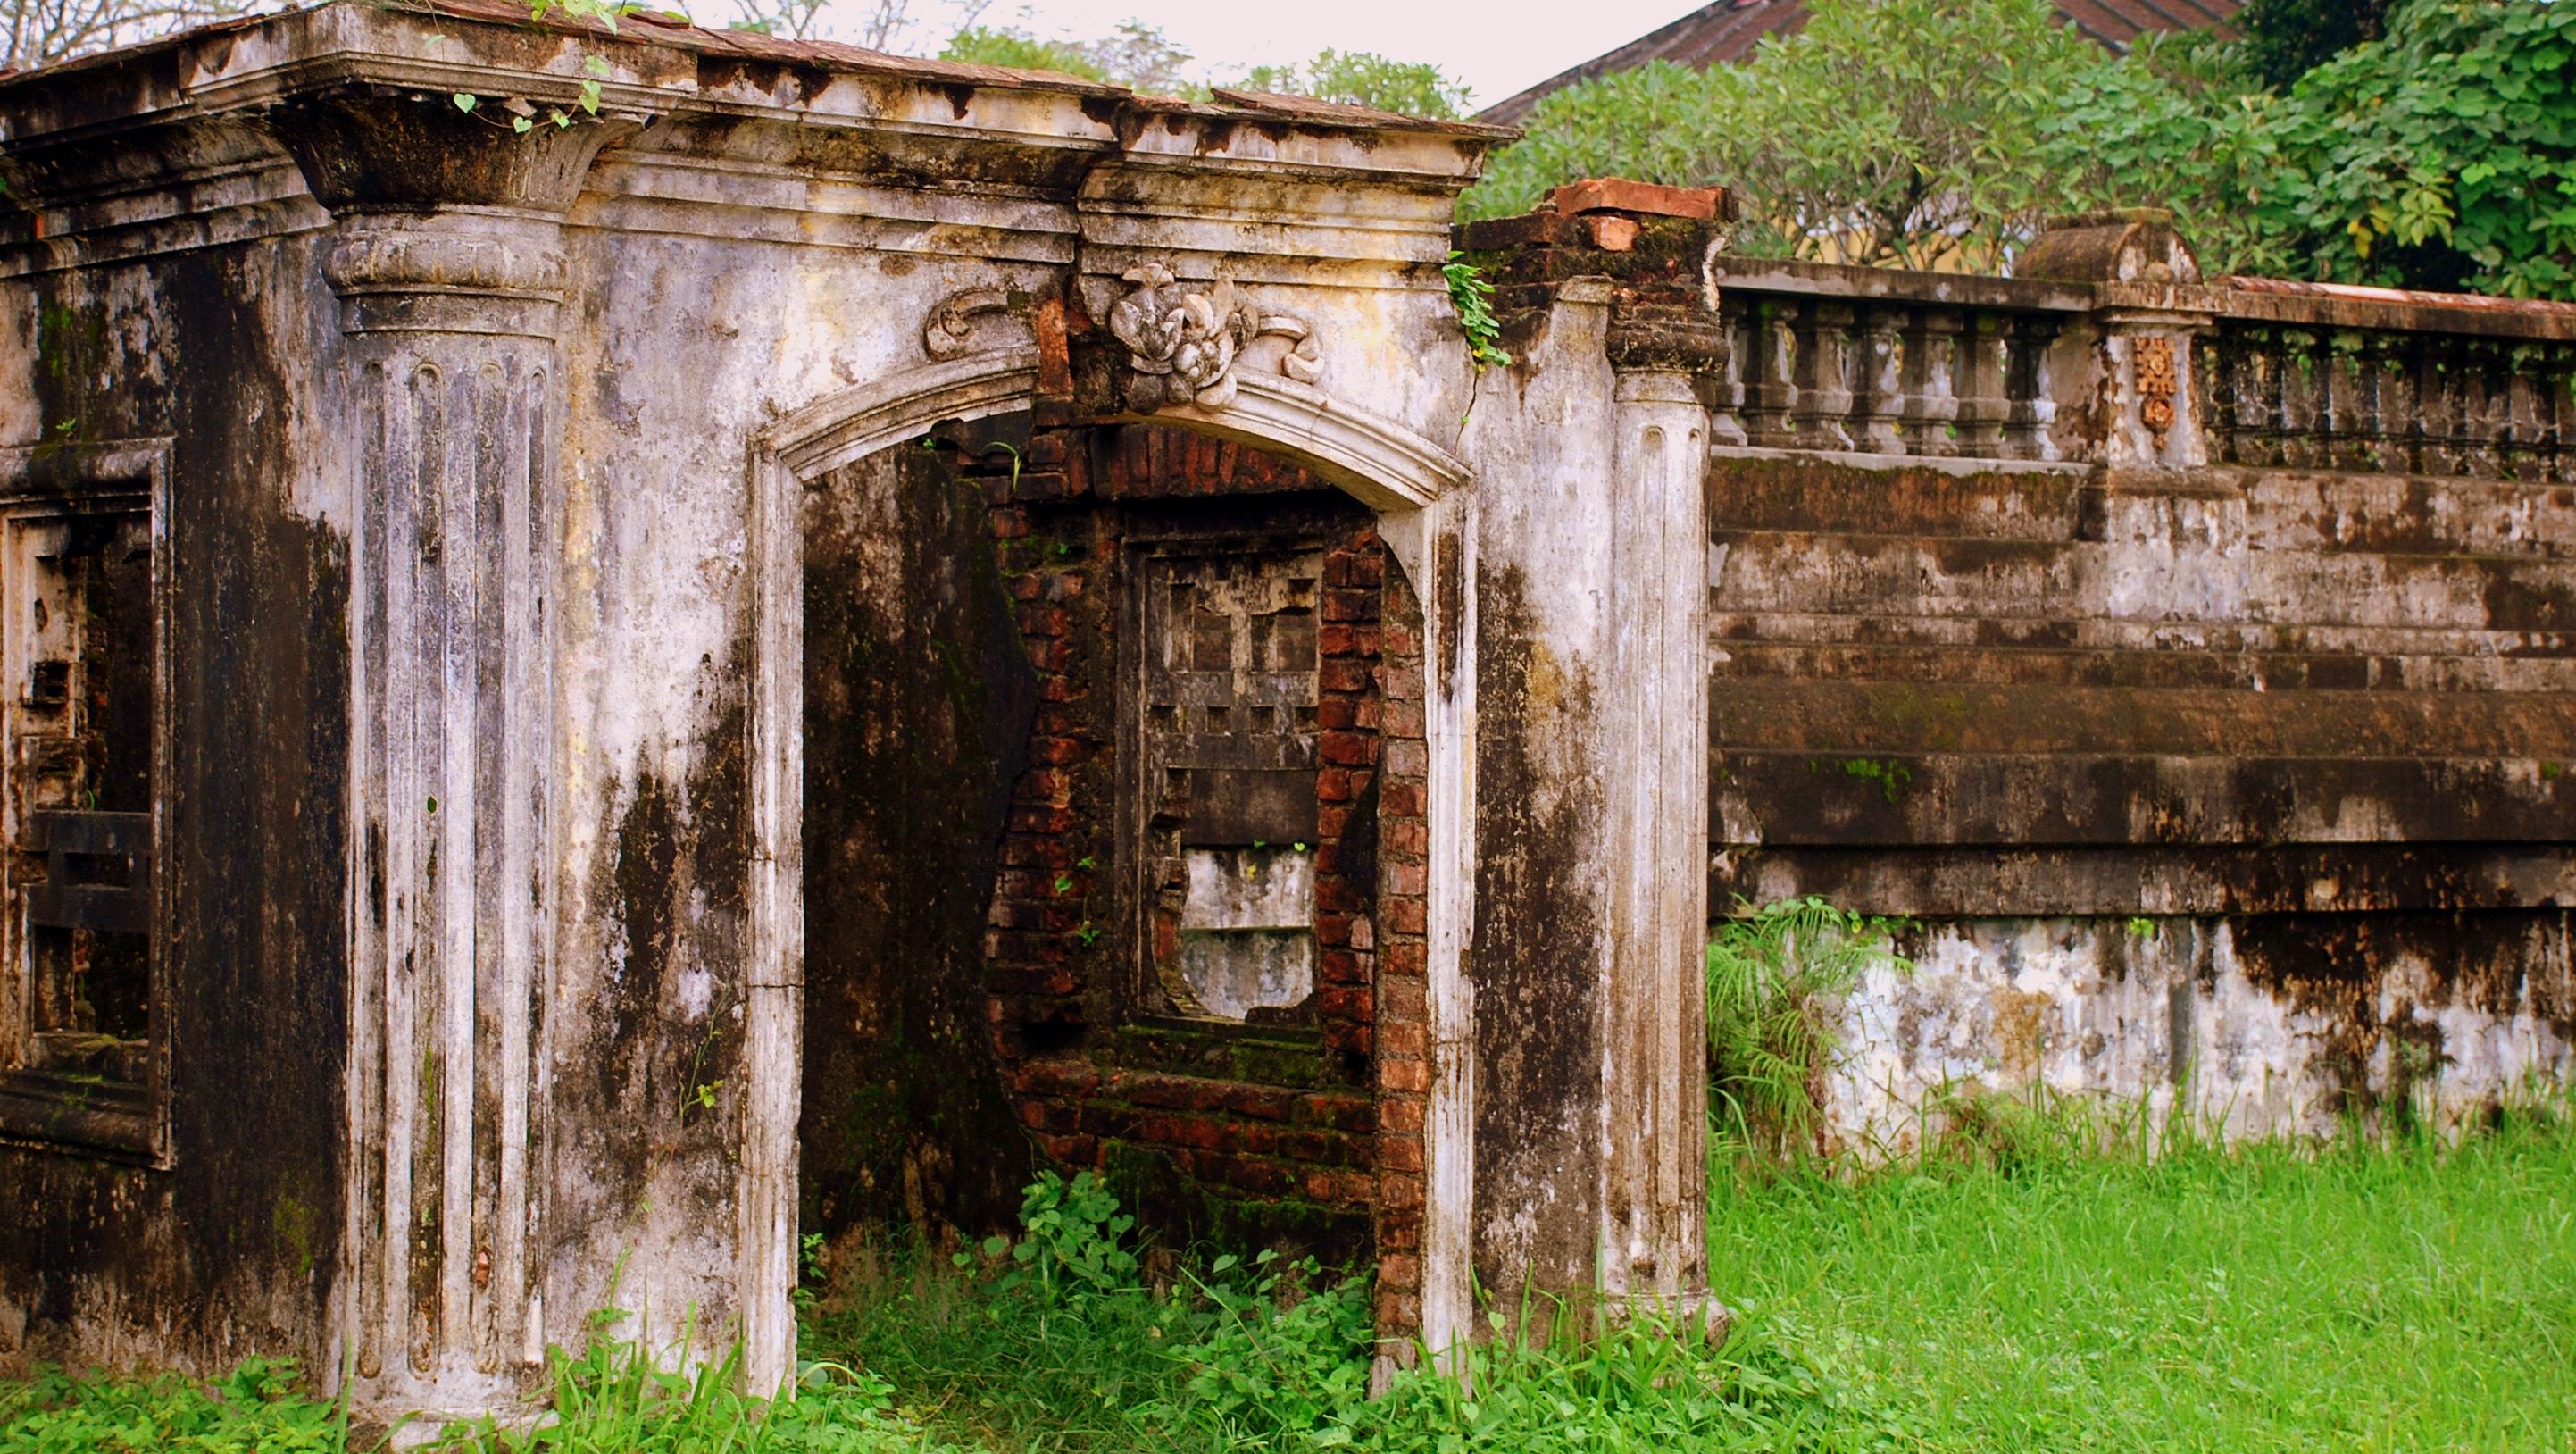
2390,399
1823,359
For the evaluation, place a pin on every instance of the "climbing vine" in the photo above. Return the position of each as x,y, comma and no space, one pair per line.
1473,297
523,115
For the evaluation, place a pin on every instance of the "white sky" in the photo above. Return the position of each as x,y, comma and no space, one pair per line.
1497,47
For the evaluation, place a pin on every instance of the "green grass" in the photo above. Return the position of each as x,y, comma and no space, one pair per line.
2025,1291
2350,1298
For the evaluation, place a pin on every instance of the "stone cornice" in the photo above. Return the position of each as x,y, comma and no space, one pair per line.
834,113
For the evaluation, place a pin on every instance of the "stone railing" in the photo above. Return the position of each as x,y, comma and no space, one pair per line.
1869,361
2315,377
2153,370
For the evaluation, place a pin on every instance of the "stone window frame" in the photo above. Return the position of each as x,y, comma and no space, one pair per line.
1138,992
40,1110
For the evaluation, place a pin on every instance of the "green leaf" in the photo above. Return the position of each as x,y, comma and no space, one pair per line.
466,101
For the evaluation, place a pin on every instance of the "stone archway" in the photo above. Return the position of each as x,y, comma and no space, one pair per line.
1414,490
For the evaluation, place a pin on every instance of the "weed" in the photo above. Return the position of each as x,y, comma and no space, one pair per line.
255,1409
1774,975
1473,297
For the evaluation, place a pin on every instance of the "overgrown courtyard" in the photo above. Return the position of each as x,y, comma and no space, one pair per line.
2023,1289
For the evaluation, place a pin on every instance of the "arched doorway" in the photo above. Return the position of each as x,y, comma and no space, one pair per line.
1101,781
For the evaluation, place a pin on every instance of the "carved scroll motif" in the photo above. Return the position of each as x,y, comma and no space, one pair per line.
2157,385
945,332
1183,342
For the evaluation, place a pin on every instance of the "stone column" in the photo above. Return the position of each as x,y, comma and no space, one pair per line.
1654,1057
448,260
1591,791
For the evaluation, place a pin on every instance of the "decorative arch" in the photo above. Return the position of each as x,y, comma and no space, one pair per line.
1418,490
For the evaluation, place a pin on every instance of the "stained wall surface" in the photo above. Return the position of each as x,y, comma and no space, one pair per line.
2241,795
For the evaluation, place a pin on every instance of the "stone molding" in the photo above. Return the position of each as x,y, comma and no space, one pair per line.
946,333
1388,466
478,271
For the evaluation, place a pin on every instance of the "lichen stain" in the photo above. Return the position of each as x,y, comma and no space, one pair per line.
1531,954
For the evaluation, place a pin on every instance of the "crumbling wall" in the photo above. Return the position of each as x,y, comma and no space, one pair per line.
2254,810
216,361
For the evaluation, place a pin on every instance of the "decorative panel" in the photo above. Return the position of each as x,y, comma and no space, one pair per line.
1227,748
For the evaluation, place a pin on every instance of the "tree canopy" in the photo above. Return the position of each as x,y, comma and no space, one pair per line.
1365,78
1942,133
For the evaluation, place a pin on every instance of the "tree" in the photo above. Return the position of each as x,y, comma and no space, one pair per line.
1365,78
2442,156
2286,39
43,31
1903,132
1135,55
987,46
1944,132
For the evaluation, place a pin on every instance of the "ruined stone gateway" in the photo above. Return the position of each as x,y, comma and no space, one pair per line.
783,656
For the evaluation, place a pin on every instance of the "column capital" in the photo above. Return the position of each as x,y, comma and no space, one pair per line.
448,222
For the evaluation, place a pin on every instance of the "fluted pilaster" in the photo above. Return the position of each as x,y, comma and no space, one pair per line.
449,265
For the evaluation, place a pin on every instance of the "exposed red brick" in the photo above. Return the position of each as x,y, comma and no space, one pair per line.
1344,675
1347,749
1618,194
1404,1075
1401,1114
1611,233
1056,1077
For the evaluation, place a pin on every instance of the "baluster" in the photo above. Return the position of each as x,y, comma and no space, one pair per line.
2520,412
2350,393
1930,382
1726,408
1879,398
2437,405
2558,406
2258,396
1983,402
2031,410
2243,389
1768,360
2391,402
2482,405
1824,376
2210,400
2302,399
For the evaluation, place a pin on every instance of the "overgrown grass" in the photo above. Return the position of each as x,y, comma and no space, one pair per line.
2041,1283
2037,1284
610,1400
2055,1288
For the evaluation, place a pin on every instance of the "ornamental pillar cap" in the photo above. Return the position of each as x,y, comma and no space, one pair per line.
449,222
2134,245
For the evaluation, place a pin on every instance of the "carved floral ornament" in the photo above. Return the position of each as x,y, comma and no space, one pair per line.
2158,382
1183,342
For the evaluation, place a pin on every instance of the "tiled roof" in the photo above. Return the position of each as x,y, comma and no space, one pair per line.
1729,29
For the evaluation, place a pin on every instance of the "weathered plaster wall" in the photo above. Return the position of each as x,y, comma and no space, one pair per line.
2235,791
2245,1026
224,352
